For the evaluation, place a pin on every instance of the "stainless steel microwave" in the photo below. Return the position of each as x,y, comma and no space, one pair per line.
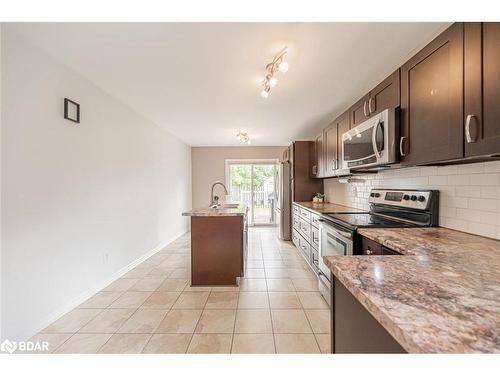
373,142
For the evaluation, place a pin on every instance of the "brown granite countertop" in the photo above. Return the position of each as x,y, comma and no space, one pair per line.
441,296
241,210
327,208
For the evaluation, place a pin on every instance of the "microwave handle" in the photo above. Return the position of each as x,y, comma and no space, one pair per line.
374,140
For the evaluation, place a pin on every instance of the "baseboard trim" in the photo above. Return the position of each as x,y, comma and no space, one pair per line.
99,286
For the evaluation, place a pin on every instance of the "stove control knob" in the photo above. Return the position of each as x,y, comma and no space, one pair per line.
377,195
372,195
413,198
421,198
406,197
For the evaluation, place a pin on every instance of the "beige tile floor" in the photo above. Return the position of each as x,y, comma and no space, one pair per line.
152,309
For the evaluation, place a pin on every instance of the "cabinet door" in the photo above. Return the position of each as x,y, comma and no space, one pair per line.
432,101
342,127
369,247
387,251
359,112
385,95
318,157
331,156
482,88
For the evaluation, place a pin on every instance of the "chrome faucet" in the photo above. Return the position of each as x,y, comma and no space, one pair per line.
214,200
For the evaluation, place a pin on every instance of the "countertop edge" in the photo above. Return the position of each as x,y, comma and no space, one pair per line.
390,244
319,205
241,210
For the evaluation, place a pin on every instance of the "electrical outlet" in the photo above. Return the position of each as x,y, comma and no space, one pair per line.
105,258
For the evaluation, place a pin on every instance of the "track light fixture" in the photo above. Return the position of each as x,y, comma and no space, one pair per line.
277,65
243,137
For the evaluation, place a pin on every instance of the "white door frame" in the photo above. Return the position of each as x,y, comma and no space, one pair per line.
250,162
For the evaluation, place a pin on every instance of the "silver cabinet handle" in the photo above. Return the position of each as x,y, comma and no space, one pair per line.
401,146
370,110
365,108
467,129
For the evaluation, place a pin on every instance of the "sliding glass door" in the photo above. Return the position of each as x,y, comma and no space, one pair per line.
254,184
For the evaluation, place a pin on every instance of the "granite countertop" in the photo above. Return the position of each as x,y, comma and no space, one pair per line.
241,210
441,296
325,208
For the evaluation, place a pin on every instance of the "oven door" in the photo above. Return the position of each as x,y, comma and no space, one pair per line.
333,241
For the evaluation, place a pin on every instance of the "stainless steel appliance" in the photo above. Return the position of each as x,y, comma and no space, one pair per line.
285,202
390,208
373,143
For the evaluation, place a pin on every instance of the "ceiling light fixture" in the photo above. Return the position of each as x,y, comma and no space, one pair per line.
243,137
278,64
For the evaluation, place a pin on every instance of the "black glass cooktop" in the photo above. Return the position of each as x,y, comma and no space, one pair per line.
357,220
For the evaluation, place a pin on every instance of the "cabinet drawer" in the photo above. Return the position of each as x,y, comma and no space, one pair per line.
304,214
315,259
305,229
315,220
295,210
295,221
296,238
305,248
314,237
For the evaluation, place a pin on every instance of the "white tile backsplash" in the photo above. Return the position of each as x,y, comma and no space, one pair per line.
469,193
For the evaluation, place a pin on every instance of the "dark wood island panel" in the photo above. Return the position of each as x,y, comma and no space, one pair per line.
217,250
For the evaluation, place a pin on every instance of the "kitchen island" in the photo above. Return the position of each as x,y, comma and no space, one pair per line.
218,245
442,295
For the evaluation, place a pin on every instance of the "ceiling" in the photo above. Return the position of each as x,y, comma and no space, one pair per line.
201,81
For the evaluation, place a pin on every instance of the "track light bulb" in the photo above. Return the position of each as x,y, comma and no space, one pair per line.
283,67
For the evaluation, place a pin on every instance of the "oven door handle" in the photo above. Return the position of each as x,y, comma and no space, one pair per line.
332,229
321,275
374,140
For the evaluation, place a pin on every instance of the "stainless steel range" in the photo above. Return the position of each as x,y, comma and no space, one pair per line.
391,208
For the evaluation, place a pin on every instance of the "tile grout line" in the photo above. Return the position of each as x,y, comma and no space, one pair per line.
198,322
270,313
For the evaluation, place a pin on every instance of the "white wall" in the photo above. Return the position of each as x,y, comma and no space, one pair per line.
208,165
469,193
1,297
111,187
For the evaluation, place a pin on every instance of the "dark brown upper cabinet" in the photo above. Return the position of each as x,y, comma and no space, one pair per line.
317,169
386,94
342,127
359,111
331,155
482,89
333,143
432,101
